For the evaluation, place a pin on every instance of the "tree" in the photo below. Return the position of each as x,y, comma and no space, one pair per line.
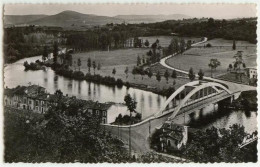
147,43
134,71
158,76
166,75
99,66
45,53
176,47
126,72
131,105
174,74
79,63
182,46
89,65
94,66
174,83
138,61
188,44
200,74
191,74
213,64
114,71
171,49
55,52
230,67
150,73
234,45
142,73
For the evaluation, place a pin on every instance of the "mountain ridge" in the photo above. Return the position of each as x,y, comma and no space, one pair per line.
69,18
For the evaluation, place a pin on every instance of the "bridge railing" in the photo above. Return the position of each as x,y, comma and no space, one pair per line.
198,102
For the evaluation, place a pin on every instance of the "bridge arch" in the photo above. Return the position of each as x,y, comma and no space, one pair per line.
197,86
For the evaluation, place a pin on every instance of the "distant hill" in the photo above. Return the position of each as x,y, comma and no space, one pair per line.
151,18
71,18
21,19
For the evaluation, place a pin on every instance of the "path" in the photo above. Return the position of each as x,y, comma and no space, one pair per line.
233,87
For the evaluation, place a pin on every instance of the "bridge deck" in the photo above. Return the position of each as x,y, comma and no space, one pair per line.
200,103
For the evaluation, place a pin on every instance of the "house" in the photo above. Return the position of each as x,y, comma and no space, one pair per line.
173,136
35,98
252,72
32,98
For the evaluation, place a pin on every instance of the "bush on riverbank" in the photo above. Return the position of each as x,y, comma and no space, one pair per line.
125,120
33,66
248,100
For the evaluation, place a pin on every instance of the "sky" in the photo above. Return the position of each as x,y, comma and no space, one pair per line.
218,11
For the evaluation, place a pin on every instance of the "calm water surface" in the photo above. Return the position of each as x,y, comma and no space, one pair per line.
148,103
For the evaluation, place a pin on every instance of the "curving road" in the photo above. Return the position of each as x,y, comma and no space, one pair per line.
140,132
233,87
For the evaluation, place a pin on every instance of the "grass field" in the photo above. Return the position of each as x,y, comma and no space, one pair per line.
199,58
120,59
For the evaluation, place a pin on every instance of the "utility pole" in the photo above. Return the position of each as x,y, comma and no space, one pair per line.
149,128
130,140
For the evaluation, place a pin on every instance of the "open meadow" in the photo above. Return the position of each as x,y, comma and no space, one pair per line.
199,57
120,59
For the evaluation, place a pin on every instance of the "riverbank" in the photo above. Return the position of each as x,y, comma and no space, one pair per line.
247,100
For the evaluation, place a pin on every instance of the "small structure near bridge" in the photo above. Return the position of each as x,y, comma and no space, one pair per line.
174,136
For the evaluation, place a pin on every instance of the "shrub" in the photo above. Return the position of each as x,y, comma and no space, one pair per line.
208,45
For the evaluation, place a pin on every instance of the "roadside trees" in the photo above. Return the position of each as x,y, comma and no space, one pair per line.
239,63
99,67
150,73
188,44
182,46
79,63
158,76
126,72
89,65
230,67
191,74
114,72
94,66
166,75
138,61
213,64
134,72
147,43
174,74
201,74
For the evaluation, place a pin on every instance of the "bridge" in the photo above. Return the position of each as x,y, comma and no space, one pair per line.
186,99
194,96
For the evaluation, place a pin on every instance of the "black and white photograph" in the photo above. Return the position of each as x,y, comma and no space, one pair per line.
129,83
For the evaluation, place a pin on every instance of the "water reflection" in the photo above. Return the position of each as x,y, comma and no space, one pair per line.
15,75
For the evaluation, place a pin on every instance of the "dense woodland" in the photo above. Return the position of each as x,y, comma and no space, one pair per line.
20,42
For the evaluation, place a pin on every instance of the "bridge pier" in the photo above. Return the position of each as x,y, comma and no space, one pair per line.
225,102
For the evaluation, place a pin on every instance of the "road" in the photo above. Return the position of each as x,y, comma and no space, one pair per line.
233,87
140,132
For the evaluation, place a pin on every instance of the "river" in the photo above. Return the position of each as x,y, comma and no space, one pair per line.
148,103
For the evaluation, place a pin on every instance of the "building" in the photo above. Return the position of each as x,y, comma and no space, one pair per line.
35,98
252,72
174,136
